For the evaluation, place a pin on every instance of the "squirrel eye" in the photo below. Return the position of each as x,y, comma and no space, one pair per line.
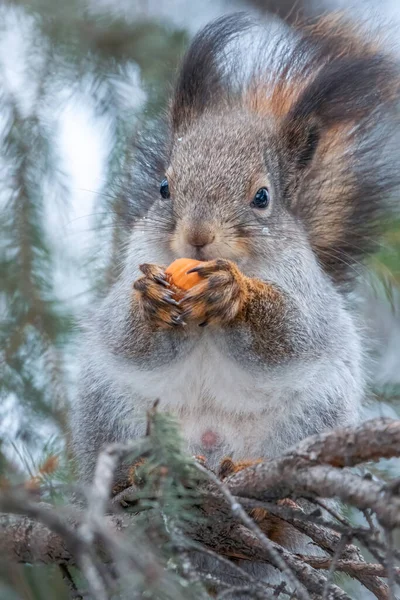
261,199
164,189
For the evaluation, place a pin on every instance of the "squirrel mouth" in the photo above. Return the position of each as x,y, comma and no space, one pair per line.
201,253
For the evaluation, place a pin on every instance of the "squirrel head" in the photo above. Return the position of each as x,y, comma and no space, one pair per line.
223,188
293,154
226,186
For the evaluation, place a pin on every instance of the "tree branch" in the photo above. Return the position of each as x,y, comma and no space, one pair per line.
37,533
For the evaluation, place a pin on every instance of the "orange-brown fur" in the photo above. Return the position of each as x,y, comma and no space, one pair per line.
275,102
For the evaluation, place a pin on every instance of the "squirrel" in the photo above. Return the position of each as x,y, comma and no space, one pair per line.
273,168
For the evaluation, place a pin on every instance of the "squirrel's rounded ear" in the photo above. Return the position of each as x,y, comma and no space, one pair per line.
301,139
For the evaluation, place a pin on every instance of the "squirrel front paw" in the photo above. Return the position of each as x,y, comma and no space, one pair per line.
219,298
156,298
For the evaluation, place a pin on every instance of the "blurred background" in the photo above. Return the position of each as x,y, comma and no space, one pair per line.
78,80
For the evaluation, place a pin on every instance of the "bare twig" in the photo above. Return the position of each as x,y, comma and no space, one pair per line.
390,564
238,591
234,568
100,491
348,566
274,479
240,513
305,573
347,447
332,567
67,577
34,532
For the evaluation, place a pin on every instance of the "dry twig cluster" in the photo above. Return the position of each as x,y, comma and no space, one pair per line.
99,540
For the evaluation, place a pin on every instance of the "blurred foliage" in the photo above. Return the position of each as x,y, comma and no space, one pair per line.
165,504
68,49
386,262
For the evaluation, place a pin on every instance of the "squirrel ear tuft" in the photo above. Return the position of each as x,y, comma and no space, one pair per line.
308,148
203,79
301,140
345,93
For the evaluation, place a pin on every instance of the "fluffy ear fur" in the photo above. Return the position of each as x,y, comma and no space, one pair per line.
301,138
206,74
334,94
339,123
343,92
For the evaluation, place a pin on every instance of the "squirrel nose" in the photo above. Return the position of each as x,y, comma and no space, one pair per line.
200,238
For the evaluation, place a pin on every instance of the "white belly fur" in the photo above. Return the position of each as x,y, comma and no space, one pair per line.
210,392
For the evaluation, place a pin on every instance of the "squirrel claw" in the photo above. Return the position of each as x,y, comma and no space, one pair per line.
170,300
177,320
155,273
161,280
220,264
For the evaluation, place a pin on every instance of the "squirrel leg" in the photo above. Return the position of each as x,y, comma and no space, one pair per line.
275,528
228,467
219,297
256,313
132,478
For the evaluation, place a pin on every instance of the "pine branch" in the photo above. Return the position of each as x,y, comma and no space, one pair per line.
43,534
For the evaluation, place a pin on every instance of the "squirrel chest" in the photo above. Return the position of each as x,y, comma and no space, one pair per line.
221,407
